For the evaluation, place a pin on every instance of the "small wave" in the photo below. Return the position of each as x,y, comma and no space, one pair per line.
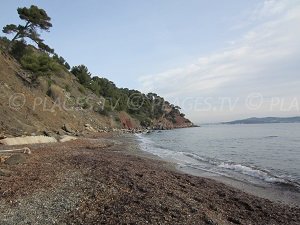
194,156
271,136
144,139
211,161
256,173
191,159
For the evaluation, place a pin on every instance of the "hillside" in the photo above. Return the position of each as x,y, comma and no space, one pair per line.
56,101
255,120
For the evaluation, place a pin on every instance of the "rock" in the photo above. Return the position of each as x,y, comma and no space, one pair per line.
67,128
5,173
60,132
51,134
15,159
193,210
233,220
47,133
2,136
209,221
89,128
66,138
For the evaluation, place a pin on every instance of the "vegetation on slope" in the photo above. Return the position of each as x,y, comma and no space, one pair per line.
42,61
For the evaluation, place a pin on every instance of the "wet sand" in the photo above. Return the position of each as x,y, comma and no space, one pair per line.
108,181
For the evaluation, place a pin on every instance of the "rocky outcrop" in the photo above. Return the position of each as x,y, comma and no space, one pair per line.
68,129
165,124
127,122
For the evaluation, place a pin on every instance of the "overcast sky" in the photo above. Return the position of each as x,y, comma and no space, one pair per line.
218,60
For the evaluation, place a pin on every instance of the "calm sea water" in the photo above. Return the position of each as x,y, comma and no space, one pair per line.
260,154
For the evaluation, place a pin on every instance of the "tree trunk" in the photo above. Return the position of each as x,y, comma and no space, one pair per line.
17,36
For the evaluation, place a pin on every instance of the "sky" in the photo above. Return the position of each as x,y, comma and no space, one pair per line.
217,60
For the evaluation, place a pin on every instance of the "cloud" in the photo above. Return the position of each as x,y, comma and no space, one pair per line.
271,8
266,56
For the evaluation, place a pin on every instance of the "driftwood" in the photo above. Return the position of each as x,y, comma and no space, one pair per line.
22,150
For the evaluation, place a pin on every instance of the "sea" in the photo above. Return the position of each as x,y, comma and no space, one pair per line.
261,155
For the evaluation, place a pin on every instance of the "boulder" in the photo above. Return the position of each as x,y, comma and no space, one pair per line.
47,133
51,134
67,128
15,159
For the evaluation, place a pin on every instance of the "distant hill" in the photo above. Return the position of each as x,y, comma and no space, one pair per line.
255,120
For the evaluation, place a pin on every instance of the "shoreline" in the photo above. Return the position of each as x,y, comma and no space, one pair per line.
108,180
272,192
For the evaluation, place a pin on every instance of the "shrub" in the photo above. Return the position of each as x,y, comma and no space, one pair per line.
84,104
4,43
50,82
68,88
81,89
83,75
40,64
18,49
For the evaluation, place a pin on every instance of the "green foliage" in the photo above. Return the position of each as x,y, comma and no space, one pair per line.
145,121
61,61
4,43
143,107
81,89
39,63
18,49
84,104
45,47
83,75
68,67
35,19
68,88
50,82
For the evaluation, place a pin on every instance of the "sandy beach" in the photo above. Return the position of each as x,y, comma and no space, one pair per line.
105,180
